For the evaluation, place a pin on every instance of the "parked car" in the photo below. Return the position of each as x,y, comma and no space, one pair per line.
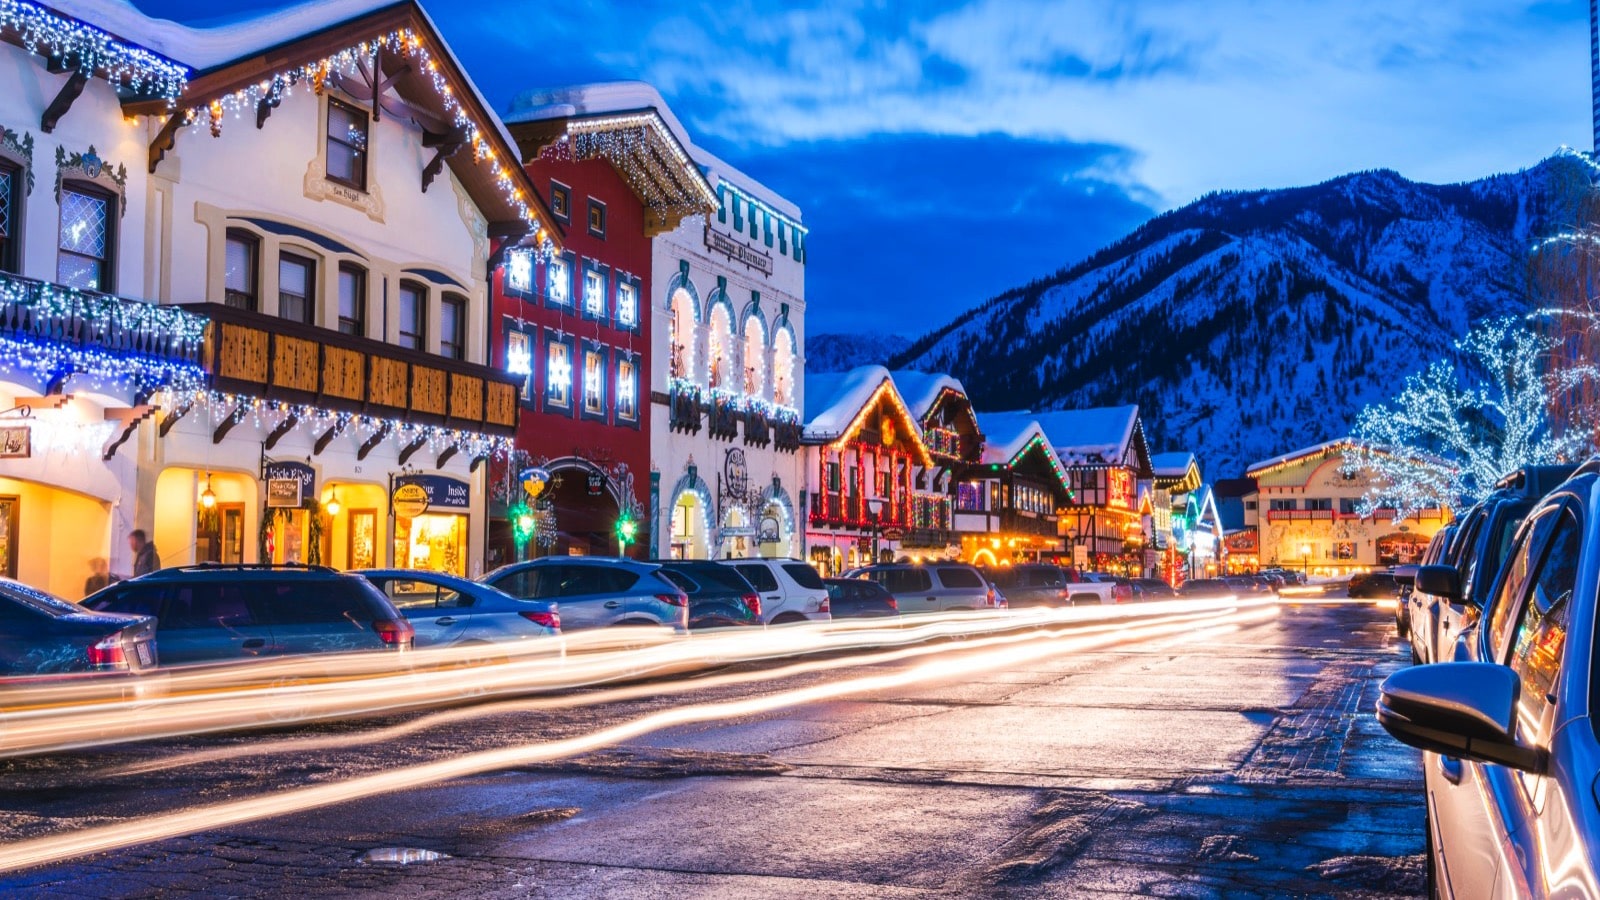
1507,728
1121,588
1477,551
217,613
449,611
1247,585
1197,588
1153,589
1289,576
1274,580
1042,584
1409,611
42,634
1380,585
597,591
790,590
719,597
860,598
937,587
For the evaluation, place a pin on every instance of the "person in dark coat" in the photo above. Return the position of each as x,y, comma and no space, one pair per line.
145,557
100,576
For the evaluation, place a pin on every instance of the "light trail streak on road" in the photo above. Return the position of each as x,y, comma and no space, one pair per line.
308,688
1036,646
613,695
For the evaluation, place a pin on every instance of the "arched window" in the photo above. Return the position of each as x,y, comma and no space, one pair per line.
241,277
413,311
719,340
755,356
783,368
680,328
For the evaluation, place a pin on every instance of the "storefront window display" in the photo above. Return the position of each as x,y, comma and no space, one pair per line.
430,523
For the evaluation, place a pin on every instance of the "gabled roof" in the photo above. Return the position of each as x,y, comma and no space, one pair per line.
1097,437
628,124
922,390
240,62
1174,464
1008,438
836,401
1326,448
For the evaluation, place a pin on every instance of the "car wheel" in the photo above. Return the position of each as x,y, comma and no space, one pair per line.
788,619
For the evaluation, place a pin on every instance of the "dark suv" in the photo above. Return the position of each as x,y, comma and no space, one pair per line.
1476,552
219,613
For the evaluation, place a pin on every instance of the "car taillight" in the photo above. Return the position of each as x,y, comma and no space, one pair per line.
754,602
394,633
107,652
547,619
893,603
992,601
827,606
674,599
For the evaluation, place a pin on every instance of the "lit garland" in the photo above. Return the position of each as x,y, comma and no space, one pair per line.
270,414
1038,441
62,40
46,361
103,312
347,63
635,145
68,438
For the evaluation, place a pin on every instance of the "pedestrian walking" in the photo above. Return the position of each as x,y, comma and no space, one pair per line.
145,557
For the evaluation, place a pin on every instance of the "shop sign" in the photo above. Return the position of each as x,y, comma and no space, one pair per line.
16,442
769,530
735,474
894,534
409,501
1119,488
864,544
434,492
597,483
289,484
1080,557
738,252
1242,541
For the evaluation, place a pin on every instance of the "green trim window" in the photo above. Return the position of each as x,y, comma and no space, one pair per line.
766,221
738,211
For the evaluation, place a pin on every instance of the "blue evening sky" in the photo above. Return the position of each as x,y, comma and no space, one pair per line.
943,151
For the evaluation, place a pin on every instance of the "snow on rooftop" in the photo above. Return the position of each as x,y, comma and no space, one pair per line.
1174,464
1313,450
834,399
921,390
1005,434
1091,436
207,47
596,99
718,171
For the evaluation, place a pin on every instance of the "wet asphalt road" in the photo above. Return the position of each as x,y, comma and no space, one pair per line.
1247,764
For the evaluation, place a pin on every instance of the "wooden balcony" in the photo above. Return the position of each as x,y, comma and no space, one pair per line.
276,359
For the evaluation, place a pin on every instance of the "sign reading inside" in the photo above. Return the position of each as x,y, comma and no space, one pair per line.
438,492
409,501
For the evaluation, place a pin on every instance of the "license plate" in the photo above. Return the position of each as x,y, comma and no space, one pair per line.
143,649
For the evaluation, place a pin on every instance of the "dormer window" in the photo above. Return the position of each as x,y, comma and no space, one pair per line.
347,144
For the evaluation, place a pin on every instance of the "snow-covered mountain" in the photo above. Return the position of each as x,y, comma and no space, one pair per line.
841,351
1247,324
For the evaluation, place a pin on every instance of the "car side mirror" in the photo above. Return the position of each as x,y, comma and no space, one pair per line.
1462,709
1441,581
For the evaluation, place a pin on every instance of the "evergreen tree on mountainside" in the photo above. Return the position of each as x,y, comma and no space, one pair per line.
1217,309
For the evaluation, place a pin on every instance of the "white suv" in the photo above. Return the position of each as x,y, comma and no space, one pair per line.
791,591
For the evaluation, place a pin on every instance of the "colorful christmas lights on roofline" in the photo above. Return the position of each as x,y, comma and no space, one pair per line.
347,63
81,46
270,414
630,144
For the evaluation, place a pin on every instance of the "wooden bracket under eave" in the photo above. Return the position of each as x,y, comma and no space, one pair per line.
166,138
372,443
172,418
477,461
445,146
227,425
277,433
129,419
63,101
326,439
444,457
411,449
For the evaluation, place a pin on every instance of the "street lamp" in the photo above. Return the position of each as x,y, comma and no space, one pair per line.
875,506
1305,556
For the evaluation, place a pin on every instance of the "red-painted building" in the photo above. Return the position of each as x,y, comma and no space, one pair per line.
575,326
